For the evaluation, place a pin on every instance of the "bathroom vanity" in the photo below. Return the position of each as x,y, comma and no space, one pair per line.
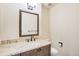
39,47
41,51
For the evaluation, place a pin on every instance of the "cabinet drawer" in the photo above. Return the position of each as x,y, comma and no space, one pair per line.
29,53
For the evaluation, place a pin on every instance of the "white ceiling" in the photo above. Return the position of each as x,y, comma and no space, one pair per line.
48,5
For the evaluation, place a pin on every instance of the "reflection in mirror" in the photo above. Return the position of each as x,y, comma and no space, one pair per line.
28,24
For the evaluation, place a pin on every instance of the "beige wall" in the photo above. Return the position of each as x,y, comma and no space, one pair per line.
9,19
64,24
45,23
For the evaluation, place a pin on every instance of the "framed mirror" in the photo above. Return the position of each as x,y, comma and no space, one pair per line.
28,23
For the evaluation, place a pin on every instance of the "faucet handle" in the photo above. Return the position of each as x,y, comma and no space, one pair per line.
34,39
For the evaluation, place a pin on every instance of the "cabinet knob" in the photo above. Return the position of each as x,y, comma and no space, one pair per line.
39,49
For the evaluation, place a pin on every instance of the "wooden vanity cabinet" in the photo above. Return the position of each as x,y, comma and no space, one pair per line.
42,51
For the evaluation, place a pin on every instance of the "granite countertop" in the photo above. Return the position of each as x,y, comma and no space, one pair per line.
15,48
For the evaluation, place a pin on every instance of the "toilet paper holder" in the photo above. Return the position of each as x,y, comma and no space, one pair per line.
61,44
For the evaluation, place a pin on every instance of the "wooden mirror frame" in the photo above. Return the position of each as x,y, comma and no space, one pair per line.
20,23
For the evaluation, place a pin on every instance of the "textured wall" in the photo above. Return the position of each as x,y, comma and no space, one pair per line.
64,24
9,19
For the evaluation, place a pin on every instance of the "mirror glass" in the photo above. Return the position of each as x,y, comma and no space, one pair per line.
29,24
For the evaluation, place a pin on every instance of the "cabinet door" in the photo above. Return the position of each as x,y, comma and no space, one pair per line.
44,51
